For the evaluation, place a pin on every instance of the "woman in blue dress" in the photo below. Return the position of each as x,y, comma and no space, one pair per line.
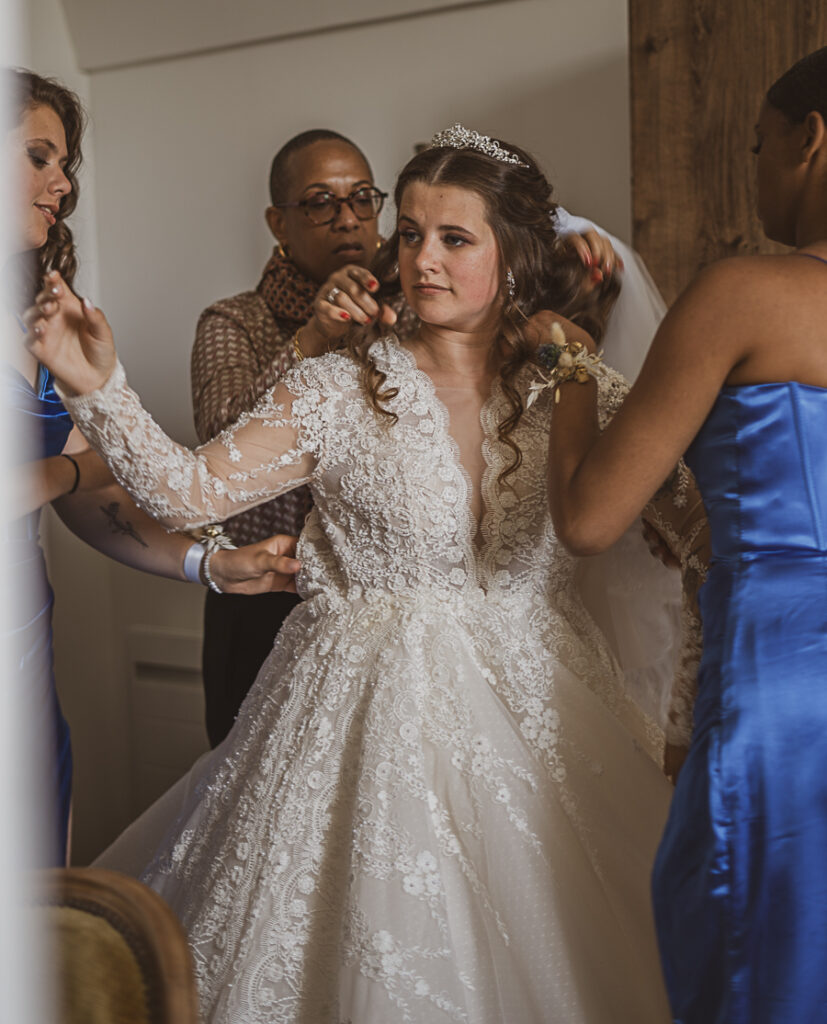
53,461
738,376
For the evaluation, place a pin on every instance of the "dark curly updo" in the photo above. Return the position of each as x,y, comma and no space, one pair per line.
547,274
29,91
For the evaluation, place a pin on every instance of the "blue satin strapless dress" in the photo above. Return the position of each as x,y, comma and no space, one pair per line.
740,881
42,426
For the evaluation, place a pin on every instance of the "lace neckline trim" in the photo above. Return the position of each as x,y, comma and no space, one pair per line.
479,534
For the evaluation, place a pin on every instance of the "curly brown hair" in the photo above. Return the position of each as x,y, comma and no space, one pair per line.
29,91
547,274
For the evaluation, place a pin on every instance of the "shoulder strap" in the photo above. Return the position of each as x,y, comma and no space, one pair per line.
812,256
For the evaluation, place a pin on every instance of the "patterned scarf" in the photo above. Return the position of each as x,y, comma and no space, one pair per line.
288,293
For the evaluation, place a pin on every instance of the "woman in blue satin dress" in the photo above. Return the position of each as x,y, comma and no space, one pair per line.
738,376
39,415
53,461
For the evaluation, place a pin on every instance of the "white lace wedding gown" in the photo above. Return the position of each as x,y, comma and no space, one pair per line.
453,813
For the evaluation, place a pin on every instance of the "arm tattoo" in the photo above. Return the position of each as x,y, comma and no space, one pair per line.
117,525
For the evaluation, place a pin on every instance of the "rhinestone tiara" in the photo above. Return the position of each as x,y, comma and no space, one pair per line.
457,137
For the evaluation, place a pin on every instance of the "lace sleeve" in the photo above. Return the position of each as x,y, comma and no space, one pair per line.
612,389
677,513
269,450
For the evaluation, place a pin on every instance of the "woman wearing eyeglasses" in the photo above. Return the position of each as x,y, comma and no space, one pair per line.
317,283
324,217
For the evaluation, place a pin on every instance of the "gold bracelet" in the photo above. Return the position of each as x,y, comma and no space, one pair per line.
297,347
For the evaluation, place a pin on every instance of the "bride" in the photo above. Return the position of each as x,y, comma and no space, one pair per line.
452,814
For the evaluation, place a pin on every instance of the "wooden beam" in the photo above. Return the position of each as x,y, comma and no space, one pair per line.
699,72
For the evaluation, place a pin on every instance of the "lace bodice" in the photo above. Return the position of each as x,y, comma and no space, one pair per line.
398,507
394,504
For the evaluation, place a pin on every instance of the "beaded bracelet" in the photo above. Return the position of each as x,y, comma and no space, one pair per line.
205,571
207,540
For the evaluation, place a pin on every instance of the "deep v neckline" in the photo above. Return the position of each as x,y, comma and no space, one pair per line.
477,532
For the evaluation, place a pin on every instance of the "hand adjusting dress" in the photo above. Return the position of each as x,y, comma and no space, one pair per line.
740,890
452,815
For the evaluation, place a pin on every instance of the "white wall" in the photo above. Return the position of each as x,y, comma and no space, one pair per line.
113,33
180,154
182,147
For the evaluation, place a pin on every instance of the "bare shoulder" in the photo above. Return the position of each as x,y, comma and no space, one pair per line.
750,319
743,302
728,281
744,284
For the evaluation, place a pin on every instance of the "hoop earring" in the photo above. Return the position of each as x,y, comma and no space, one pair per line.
282,251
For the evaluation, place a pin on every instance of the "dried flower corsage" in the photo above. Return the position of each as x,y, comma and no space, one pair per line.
564,360
212,537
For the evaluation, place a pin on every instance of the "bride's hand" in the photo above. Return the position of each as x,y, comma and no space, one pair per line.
69,337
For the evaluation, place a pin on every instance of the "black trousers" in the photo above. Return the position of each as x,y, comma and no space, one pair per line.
239,631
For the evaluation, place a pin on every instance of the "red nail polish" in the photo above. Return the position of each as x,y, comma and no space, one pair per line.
344,315
373,284
597,275
587,258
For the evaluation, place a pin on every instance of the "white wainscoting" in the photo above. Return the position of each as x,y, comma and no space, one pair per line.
128,670
166,709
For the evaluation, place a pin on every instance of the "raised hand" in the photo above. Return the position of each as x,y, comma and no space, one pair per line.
344,299
597,255
257,568
70,337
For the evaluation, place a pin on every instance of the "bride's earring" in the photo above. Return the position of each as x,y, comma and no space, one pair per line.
511,285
